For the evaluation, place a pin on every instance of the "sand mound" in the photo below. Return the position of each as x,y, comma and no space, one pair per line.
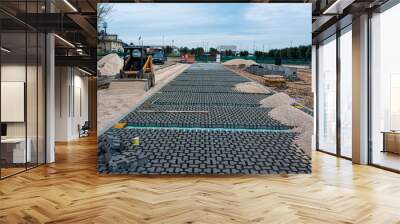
110,65
303,122
276,100
238,62
251,87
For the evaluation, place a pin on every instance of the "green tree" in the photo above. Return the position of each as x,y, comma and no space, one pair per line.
199,51
307,54
228,53
213,51
184,50
168,50
259,54
244,53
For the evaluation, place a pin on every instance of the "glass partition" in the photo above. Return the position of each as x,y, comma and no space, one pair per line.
346,92
14,154
22,88
385,89
327,95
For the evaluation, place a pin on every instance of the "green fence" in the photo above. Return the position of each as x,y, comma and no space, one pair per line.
205,58
268,60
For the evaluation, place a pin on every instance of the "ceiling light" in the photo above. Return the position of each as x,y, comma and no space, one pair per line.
70,5
86,72
65,41
338,6
5,50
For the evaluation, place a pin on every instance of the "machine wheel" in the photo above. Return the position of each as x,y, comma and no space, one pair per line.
153,79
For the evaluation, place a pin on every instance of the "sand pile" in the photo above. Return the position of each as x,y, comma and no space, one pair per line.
238,62
276,100
303,122
110,65
251,87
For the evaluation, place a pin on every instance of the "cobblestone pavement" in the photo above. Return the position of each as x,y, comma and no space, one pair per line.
198,124
203,116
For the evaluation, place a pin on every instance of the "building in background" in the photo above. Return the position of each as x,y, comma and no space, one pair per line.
223,48
109,43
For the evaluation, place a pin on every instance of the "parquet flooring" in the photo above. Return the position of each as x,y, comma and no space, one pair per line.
70,191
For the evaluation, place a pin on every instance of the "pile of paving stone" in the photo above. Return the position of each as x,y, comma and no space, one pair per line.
171,151
266,69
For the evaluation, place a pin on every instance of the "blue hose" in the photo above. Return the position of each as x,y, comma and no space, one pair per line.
211,129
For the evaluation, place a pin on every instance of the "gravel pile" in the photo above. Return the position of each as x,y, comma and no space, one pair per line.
276,100
110,65
251,87
303,122
237,62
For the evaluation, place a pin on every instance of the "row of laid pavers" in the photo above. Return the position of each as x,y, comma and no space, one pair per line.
203,116
217,99
172,151
199,89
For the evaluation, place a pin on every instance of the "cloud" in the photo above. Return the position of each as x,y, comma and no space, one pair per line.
276,12
192,25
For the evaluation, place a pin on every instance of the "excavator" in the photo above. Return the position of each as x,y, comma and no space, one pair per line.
138,64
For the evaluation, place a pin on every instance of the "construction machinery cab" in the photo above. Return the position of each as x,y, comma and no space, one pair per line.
138,64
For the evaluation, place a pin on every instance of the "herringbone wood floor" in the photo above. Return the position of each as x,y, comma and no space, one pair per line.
70,191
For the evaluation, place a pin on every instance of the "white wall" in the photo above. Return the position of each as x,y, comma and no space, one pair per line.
70,83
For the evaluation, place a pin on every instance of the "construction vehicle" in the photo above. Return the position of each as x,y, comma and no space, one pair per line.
138,64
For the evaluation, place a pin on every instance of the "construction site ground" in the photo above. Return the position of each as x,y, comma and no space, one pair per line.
300,90
197,122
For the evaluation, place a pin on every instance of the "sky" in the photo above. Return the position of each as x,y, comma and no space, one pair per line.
249,26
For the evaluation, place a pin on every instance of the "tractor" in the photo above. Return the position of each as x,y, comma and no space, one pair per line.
138,64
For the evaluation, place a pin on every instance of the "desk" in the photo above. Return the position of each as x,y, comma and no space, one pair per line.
391,141
17,148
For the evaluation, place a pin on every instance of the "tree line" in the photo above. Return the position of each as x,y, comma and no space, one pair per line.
299,52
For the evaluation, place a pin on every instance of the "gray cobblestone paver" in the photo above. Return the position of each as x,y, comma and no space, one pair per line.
203,152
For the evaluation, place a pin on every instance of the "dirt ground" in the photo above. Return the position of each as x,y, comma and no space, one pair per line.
113,104
299,90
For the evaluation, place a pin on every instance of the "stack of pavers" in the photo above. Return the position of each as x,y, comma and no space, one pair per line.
199,124
288,73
